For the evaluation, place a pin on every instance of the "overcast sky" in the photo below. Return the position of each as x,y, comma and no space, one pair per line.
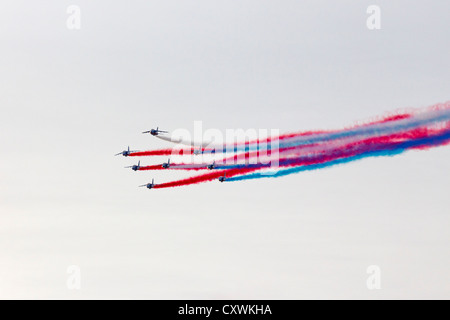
71,99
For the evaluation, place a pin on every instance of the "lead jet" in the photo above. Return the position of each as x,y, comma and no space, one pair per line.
155,132
126,153
135,167
149,185
166,165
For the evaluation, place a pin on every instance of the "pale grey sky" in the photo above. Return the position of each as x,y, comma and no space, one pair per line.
70,99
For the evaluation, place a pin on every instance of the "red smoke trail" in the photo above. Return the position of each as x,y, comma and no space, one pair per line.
203,178
154,167
169,152
161,152
176,166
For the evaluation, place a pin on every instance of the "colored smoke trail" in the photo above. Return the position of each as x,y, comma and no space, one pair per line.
162,152
170,152
238,161
202,178
386,125
175,166
312,150
288,154
423,143
223,148
381,146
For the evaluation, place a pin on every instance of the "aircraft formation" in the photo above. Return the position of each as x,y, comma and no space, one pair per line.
387,135
165,165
